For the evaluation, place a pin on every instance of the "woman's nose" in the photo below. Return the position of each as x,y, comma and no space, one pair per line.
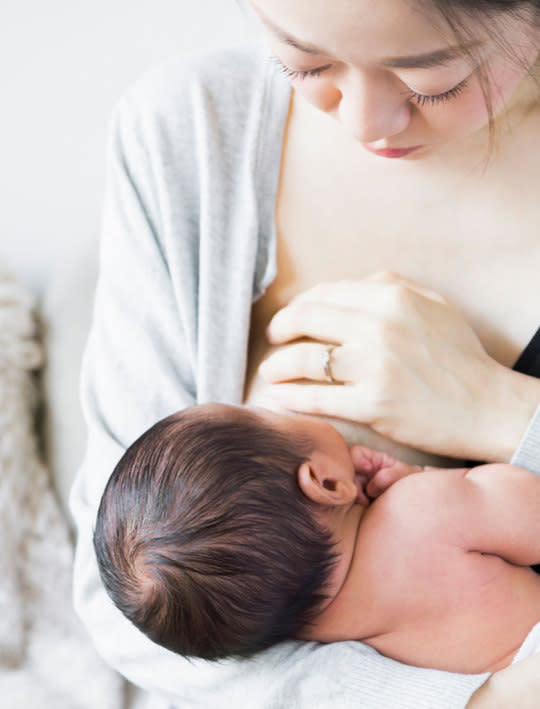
371,108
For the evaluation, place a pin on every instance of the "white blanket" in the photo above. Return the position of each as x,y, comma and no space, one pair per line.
46,659
531,646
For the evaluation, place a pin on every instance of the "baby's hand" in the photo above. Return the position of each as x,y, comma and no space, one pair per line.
377,471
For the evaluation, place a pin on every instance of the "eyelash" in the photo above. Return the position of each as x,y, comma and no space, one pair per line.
292,73
423,99
420,99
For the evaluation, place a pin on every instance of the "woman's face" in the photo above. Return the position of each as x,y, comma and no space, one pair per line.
392,75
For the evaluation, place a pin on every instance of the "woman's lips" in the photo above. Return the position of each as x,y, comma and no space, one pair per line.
391,152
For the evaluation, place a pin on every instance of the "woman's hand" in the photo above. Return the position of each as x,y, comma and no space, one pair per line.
516,686
406,363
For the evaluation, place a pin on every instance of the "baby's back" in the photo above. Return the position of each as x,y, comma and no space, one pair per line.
439,604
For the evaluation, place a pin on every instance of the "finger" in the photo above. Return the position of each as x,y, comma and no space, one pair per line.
393,302
376,287
369,461
387,476
302,361
344,293
332,292
338,401
320,321
361,497
382,480
393,277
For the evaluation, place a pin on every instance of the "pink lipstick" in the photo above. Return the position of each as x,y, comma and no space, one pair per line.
391,152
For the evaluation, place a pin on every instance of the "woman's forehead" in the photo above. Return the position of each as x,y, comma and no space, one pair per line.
354,29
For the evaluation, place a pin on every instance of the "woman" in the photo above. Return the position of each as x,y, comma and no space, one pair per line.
408,143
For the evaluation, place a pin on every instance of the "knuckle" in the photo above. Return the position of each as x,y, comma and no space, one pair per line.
384,376
401,299
396,293
386,276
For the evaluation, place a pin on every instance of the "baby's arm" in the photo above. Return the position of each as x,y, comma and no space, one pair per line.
501,512
495,507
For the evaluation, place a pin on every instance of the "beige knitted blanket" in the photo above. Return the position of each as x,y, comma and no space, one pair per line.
46,660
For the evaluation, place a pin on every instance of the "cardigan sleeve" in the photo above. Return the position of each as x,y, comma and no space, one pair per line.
527,454
139,366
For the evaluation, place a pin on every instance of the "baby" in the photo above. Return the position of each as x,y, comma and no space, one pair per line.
224,530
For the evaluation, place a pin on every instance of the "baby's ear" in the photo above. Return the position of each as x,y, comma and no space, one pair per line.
324,487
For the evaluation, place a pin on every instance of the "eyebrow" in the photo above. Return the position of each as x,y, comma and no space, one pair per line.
439,57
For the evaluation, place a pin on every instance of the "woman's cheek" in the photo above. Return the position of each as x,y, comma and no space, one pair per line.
505,78
470,111
459,117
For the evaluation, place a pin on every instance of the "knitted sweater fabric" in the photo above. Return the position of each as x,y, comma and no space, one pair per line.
187,245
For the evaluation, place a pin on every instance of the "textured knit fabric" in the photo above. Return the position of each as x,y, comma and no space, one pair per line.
188,243
46,659
527,454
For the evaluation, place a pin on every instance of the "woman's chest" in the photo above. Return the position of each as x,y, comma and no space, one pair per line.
470,234
341,218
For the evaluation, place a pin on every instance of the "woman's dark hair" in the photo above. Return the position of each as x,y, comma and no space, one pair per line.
462,15
204,539
491,14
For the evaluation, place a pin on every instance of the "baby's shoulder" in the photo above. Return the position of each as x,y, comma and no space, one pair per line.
410,538
421,507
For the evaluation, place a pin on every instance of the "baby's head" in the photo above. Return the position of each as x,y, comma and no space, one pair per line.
210,535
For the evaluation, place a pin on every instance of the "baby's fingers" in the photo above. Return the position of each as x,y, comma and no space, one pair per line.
381,470
381,481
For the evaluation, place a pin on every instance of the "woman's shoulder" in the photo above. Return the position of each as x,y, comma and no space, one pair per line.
212,85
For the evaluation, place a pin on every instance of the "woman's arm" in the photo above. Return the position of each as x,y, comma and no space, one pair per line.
141,364
515,686
412,368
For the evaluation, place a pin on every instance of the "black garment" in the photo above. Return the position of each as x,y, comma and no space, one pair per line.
529,363
529,360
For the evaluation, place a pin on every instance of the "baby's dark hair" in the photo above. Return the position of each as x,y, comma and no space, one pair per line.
204,539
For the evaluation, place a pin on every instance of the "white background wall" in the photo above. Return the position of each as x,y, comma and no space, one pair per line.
63,63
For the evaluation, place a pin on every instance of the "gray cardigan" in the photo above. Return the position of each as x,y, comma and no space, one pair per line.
188,242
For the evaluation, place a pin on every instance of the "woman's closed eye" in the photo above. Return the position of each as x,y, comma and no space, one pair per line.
293,73
431,99
419,98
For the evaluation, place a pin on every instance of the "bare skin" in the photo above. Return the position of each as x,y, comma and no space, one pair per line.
445,221
428,571
432,598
